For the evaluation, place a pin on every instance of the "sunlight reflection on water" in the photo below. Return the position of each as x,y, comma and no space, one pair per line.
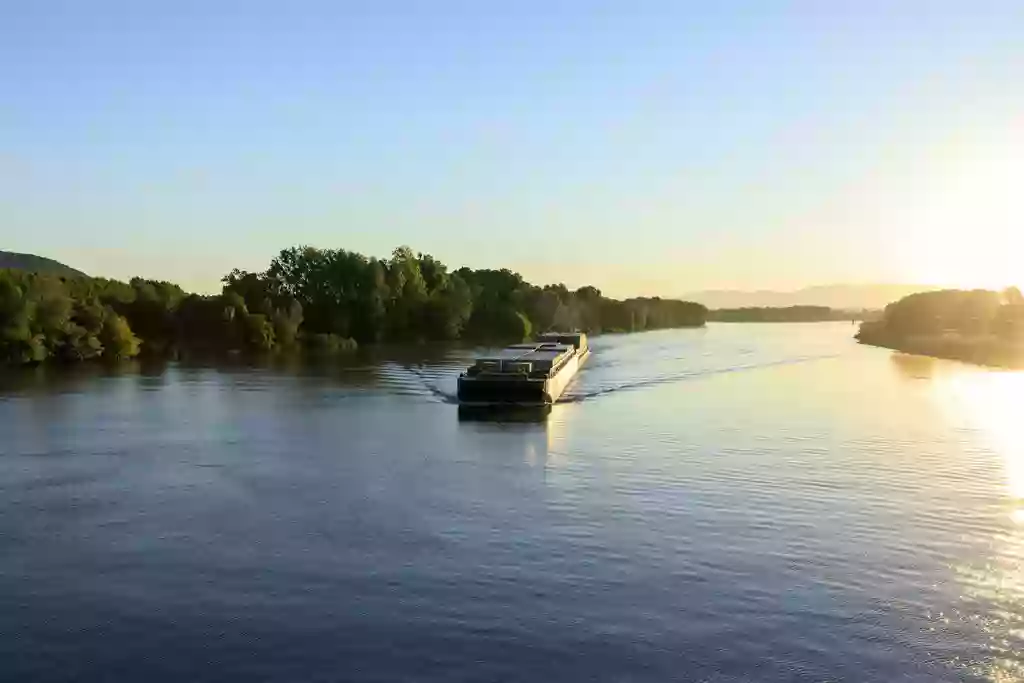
991,401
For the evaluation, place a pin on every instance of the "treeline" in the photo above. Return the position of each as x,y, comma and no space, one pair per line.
787,314
321,299
979,326
45,316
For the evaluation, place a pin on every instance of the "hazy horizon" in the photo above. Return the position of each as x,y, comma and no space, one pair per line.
825,294
658,149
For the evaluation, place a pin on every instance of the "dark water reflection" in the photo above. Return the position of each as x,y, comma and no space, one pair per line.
742,503
917,367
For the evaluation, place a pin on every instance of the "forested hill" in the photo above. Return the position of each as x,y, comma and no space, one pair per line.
788,314
36,264
838,297
322,299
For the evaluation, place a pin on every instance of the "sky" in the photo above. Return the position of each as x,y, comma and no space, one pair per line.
646,147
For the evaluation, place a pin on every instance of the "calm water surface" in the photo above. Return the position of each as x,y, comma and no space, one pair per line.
741,503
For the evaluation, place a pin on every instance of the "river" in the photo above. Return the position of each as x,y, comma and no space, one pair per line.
738,503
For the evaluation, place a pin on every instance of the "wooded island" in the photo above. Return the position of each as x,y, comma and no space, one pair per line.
307,298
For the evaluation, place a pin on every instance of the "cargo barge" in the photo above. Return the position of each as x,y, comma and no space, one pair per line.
531,374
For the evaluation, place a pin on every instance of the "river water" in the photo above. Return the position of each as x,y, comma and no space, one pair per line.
739,503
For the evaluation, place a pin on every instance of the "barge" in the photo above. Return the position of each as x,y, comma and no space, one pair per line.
530,374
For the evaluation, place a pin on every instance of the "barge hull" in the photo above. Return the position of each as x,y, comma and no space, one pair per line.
482,392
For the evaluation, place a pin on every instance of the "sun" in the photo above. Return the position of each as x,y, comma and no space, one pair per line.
993,262
962,223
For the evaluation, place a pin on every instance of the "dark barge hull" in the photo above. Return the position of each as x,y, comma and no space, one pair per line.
512,392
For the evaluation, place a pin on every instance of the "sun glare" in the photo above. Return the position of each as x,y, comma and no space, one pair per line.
992,402
961,223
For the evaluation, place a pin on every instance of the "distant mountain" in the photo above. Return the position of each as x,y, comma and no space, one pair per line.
36,264
851,297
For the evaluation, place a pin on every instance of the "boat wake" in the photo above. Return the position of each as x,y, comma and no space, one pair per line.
580,393
423,381
437,383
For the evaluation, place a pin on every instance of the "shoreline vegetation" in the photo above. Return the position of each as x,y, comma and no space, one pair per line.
977,326
316,300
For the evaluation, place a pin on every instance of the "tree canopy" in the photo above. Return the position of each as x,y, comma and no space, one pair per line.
978,325
322,299
969,312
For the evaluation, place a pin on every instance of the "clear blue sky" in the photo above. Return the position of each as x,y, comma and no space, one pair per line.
645,147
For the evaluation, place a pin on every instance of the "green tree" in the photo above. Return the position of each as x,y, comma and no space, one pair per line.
258,331
286,323
18,343
82,336
117,338
370,316
52,308
408,292
256,290
447,309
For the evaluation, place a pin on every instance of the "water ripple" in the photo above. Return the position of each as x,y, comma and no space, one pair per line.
742,503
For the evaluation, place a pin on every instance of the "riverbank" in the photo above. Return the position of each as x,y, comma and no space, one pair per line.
987,350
